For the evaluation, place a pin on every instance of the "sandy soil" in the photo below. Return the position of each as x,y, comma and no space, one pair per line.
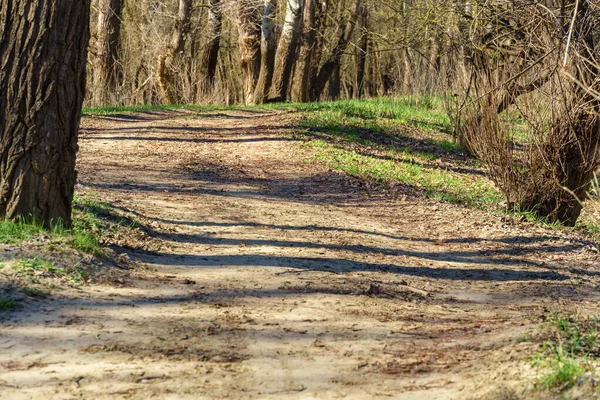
277,278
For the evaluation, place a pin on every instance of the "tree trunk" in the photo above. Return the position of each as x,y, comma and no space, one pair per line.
362,51
249,42
284,61
107,46
321,79
211,51
335,83
165,76
311,24
406,72
433,65
268,46
43,50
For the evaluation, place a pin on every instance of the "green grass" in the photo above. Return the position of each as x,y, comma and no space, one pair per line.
82,236
396,140
38,266
33,292
104,111
534,218
6,304
12,232
89,223
570,354
436,184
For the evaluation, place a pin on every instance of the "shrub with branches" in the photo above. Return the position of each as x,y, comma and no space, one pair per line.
529,112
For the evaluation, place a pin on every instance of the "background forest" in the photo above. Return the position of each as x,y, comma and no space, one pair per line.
252,51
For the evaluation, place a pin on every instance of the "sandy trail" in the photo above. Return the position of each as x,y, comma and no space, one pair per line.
277,278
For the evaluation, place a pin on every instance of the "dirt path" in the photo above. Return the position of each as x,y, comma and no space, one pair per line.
277,278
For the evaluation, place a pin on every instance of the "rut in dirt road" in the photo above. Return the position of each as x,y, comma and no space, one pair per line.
275,277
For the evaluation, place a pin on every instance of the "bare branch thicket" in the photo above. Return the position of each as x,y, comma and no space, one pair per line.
534,128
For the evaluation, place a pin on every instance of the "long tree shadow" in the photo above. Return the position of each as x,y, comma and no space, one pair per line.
317,188
320,228
339,265
191,140
463,257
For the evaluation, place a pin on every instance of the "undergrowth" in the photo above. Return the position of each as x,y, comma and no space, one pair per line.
569,355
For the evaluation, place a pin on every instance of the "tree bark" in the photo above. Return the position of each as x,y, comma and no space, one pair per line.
335,84
43,50
165,76
311,24
286,52
107,46
268,46
363,47
211,51
321,79
250,52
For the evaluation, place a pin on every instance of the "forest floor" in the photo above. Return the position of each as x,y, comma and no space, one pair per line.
265,275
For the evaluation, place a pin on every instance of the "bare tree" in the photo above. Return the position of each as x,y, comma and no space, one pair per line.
249,19
164,70
211,50
363,47
310,51
107,46
286,52
330,66
43,50
268,46
540,62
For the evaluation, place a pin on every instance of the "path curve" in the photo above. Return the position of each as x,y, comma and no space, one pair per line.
278,278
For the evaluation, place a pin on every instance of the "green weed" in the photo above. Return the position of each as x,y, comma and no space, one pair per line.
569,354
6,304
532,217
33,292
37,266
15,233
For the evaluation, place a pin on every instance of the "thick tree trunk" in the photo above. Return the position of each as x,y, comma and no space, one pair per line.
107,46
286,52
249,42
43,50
211,51
268,46
363,47
165,76
311,24
321,79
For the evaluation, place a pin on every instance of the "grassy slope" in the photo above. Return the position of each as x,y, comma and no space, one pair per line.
46,258
401,141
